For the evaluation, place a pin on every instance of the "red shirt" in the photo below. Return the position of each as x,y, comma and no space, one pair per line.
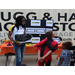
49,57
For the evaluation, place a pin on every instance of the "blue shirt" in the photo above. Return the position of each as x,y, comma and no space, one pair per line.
66,54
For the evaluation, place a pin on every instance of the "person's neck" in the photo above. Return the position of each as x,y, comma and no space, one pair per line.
50,38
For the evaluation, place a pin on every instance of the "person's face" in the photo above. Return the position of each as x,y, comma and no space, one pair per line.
53,34
23,20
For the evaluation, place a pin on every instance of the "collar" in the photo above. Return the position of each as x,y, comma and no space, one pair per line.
49,39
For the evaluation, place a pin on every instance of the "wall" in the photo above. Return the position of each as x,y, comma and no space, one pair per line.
64,20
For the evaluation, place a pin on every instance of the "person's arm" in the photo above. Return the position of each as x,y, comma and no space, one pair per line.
46,54
39,51
61,60
62,56
38,54
39,57
9,36
49,46
48,43
25,30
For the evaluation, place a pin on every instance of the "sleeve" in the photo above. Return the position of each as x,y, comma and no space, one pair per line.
11,28
38,48
41,43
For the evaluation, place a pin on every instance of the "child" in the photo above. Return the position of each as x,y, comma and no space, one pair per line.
45,49
65,56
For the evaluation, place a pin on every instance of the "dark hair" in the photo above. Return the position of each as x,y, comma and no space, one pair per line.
67,45
49,34
19,21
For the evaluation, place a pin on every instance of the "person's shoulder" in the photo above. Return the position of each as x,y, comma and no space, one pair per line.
12,27
63,51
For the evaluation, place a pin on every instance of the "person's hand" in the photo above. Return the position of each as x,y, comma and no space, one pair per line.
40,59
17,43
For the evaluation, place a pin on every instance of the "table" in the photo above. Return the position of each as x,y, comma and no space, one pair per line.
9,50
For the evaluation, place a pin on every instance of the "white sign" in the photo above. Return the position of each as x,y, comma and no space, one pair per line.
40,30
35,22
49,23
57,40
30,30
49,29
35,39
35,30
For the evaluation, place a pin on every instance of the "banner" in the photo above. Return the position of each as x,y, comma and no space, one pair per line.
63,21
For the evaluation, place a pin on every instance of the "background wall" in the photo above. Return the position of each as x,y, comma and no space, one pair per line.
64,20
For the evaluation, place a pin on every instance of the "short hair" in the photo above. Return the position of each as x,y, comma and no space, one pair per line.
49,34
67,45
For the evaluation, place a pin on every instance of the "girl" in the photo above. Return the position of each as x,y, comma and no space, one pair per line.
19,48
44,48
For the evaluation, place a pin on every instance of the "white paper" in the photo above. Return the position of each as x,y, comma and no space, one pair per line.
35,30
49,23
30,30
49,29
35,22
40,31
35,39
